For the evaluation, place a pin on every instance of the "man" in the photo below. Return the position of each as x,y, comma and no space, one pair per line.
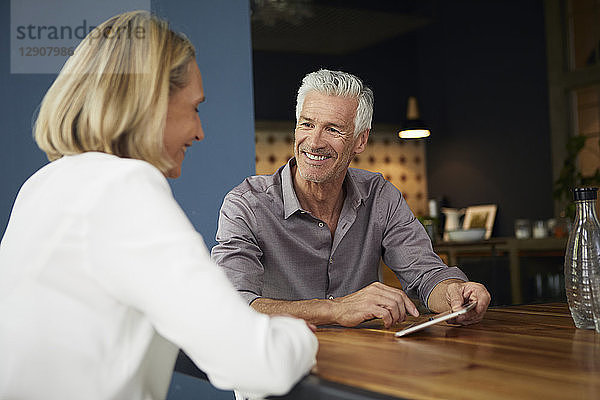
307,240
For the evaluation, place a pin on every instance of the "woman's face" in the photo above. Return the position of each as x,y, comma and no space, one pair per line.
183,124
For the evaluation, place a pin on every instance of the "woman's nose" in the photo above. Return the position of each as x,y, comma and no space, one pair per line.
200,133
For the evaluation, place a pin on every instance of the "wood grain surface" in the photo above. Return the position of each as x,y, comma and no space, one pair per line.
517,352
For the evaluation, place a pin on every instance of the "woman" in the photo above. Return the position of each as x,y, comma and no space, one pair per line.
102,277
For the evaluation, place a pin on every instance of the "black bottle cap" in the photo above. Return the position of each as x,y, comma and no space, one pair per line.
585,193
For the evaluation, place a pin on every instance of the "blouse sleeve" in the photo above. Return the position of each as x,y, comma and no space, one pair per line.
144,251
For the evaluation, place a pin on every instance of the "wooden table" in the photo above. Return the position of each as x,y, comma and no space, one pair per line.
517,352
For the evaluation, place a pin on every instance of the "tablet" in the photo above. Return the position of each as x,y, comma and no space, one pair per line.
435,320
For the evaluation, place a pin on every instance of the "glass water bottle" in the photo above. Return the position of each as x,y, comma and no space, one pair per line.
582,260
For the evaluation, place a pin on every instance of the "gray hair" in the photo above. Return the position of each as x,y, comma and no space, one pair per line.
342,84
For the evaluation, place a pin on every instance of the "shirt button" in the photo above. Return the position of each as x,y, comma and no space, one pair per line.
321,224
330,297
330,260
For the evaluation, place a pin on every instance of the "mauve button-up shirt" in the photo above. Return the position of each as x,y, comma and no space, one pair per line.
270,247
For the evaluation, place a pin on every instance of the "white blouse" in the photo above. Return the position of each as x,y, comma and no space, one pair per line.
103,277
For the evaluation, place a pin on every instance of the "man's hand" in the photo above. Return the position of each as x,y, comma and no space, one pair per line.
452,294
374,301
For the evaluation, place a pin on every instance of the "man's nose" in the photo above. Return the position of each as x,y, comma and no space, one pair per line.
316,137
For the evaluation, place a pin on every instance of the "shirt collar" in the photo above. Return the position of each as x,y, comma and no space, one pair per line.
353,190
291,204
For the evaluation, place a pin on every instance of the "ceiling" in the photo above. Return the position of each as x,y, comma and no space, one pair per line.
332,27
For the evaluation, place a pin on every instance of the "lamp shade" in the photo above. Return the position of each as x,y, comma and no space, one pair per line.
413,127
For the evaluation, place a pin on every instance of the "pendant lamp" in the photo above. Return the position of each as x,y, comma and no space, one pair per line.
413,127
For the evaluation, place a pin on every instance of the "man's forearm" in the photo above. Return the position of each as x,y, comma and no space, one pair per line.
315,311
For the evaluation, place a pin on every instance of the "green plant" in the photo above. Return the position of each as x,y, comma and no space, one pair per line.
570,176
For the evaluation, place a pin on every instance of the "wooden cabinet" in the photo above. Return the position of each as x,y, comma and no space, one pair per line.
532,268
515,271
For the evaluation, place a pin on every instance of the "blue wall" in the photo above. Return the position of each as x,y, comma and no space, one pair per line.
220,30
20,94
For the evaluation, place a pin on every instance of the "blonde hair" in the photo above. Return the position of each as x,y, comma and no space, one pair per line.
112,94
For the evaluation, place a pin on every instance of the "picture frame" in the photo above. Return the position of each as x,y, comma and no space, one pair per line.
481,216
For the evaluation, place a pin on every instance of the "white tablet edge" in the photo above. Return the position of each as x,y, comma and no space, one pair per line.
435,320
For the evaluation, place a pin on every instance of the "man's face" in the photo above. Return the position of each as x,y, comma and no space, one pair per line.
324,138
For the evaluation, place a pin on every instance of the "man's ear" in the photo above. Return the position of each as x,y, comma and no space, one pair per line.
361,141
